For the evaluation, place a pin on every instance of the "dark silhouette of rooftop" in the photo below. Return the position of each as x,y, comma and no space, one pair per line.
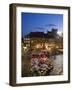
49,34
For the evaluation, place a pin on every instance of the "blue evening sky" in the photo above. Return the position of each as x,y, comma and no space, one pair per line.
32,22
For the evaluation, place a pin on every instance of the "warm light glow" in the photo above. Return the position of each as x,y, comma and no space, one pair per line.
46,45
57,47
38,46
24,48
49,49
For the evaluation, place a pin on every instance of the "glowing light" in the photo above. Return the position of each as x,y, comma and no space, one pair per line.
46,45
38,46
24,48
59,33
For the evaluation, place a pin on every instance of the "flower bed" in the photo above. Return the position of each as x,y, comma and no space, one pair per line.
40,64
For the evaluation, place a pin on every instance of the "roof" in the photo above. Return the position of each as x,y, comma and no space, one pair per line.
49,34
35,34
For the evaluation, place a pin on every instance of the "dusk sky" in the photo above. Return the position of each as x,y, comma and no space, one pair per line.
32,22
